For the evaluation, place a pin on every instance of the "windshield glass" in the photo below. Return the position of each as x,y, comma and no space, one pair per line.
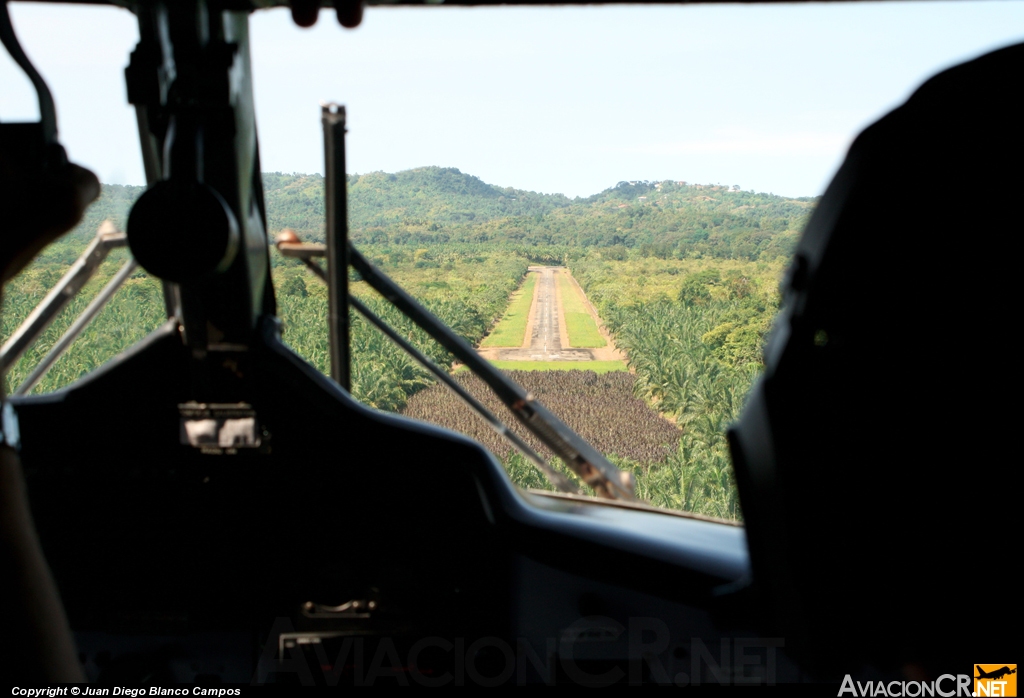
602,199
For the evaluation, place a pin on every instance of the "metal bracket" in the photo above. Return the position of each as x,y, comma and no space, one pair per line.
358,608
47,112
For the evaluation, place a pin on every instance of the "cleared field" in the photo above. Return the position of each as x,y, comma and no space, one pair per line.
600,408
595,366
511,329
579,323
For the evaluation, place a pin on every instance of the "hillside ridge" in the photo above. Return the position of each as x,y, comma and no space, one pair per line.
438,205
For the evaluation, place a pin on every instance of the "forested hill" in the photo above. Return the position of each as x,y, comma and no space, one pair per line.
424,199
435,205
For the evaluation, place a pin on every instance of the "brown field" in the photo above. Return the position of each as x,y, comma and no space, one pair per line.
600,408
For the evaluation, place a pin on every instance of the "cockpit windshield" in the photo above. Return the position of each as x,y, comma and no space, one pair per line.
601,200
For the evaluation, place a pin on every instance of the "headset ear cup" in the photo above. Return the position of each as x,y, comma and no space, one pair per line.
43,195
40,209
887,398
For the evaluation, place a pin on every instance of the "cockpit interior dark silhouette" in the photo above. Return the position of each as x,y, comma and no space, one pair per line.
198,509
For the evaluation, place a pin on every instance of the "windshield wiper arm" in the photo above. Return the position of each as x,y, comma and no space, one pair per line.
560,481
583,459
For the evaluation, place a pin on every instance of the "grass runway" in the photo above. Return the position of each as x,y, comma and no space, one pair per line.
511,329
579,323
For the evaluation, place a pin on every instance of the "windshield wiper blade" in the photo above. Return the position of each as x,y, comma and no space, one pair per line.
583,459
560,481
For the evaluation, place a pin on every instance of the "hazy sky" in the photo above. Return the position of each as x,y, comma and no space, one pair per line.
565,100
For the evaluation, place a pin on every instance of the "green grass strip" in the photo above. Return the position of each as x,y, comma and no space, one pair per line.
595,366
511,329
579,324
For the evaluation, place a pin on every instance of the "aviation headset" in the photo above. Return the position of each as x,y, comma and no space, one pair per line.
870,459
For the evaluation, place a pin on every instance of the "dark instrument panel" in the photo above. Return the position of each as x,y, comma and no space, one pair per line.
346,524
